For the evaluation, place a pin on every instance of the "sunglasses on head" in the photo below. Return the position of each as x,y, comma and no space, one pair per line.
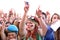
31,18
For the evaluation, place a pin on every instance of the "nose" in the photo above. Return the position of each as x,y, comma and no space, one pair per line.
28,24
11,37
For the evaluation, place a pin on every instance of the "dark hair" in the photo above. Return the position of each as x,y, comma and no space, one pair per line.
44,14
27,3
14,20
55,14
17,23
6,32
8,22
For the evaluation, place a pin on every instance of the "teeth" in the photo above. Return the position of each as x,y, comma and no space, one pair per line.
32,17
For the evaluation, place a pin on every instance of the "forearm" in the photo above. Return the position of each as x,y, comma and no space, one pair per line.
21,26
43,26
40,31
3,35
22,21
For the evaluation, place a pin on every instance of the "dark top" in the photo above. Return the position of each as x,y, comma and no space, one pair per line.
50,34
0,38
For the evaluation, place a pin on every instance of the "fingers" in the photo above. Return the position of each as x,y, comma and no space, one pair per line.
26,8
3,25
38,12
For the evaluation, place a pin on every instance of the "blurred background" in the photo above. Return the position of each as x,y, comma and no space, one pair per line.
45,5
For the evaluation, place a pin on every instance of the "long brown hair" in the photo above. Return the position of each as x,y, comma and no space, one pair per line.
33,35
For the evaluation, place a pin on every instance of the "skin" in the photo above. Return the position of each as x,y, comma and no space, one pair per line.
43,25
42,22
8,24
30,25
21,24
54,18
11,36
2,31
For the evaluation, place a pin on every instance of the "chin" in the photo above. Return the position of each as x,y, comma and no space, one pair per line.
12,39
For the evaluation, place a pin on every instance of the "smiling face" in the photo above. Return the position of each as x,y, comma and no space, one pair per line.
12,36
30,25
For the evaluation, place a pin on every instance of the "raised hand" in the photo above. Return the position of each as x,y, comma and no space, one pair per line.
21,24
47,13
26,8
3,36
38,12
3,25
1,13
10,12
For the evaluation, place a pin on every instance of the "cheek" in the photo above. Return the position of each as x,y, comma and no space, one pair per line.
32,27
54,19
26,27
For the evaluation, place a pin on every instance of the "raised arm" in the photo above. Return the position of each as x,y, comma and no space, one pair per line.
42,23
3,36
21,25
43,26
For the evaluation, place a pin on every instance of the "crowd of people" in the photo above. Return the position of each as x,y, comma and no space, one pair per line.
36,27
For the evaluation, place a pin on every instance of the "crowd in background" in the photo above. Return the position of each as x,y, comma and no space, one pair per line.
38,27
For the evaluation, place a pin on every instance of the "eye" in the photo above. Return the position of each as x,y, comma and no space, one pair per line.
55,17
31,25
